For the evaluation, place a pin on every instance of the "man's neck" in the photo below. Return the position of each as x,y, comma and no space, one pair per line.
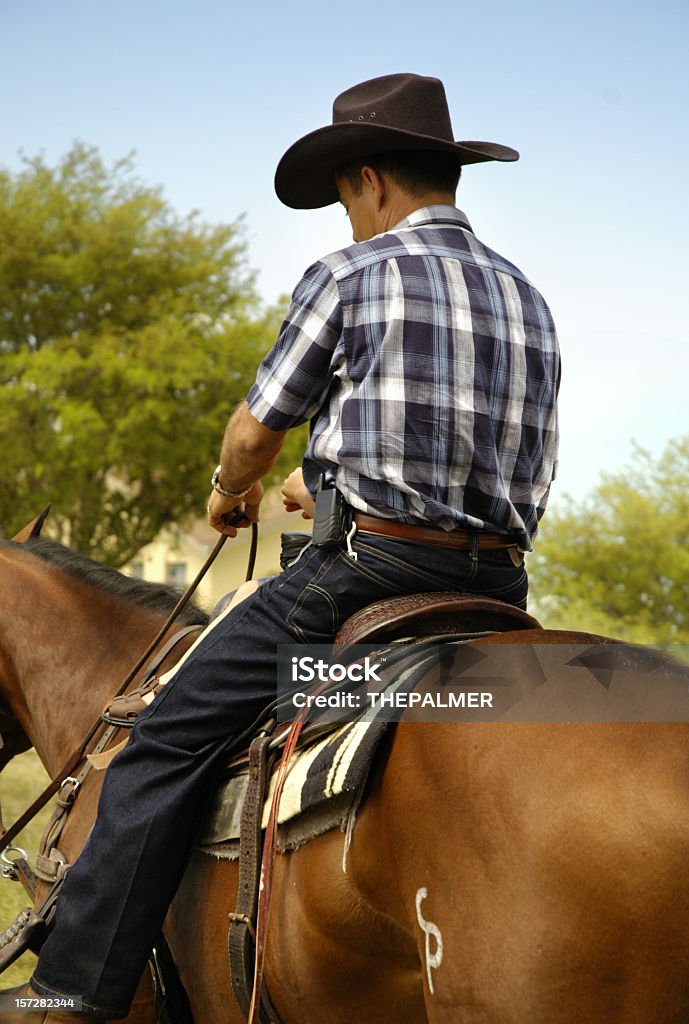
400,205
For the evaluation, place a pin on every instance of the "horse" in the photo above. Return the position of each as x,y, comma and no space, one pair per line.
497,872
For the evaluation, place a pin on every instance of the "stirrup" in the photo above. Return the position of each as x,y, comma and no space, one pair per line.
124,710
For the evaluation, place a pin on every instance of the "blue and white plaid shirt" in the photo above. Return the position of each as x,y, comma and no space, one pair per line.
429,367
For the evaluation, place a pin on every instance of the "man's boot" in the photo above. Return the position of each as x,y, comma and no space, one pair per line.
38,1016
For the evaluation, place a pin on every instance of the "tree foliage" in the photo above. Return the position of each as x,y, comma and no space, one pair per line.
618,563
127,336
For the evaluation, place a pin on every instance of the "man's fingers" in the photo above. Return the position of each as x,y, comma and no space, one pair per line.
235,518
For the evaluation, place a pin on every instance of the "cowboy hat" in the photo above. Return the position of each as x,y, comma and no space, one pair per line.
395,112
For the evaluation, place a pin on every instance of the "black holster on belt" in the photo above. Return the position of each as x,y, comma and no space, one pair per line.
332,517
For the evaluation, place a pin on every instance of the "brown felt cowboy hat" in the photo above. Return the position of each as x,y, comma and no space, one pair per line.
395,112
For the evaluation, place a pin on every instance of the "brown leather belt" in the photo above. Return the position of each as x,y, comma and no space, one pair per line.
461,539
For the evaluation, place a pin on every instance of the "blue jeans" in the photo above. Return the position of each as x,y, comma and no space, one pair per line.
116,896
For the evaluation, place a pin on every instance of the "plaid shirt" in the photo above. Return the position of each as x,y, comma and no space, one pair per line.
429,368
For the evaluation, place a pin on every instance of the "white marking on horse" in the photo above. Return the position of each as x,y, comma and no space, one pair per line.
433,960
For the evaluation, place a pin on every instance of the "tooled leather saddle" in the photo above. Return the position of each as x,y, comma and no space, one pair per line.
438,613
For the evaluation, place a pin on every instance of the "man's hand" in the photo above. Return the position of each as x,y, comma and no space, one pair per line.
295,495
248,506
248,451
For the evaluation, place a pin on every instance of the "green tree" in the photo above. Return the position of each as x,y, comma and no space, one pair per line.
127,336
618,562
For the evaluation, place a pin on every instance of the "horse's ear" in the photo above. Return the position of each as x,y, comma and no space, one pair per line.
33,528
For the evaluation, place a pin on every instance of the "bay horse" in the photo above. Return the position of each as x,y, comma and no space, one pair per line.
498,873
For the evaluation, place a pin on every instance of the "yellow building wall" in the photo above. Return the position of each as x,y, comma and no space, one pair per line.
192,546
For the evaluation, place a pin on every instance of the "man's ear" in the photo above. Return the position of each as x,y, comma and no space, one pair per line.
375,181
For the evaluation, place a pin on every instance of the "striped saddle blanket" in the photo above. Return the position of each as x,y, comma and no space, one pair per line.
322,791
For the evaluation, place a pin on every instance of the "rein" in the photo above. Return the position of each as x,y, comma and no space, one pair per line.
65,774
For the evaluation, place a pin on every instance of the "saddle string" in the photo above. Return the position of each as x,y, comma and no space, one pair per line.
77,756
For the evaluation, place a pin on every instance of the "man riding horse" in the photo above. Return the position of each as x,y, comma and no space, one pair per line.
428,367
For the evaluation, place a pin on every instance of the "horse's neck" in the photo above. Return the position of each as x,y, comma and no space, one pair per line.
66,648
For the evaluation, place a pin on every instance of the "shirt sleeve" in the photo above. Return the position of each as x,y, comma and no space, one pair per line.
294,377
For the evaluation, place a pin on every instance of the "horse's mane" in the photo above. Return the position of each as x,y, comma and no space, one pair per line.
156,597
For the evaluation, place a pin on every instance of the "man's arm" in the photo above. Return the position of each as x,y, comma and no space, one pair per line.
292,382
248,451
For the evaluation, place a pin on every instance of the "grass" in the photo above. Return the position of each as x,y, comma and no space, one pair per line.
22,781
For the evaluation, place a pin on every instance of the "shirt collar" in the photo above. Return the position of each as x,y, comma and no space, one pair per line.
435,215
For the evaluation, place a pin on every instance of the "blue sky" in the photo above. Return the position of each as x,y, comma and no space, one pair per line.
595,96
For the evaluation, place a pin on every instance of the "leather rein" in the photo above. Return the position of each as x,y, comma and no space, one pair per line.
65,776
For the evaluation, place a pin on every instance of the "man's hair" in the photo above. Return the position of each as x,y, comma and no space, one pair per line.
415,171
